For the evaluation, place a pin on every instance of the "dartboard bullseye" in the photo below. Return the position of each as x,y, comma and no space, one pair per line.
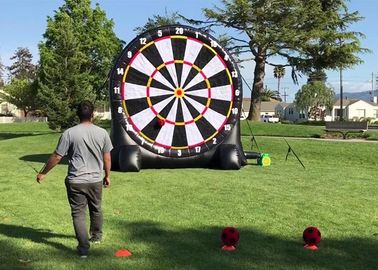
176,92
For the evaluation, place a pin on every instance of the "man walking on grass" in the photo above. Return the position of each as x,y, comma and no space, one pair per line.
88,149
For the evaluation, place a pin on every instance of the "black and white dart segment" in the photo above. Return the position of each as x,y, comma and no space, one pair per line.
177,92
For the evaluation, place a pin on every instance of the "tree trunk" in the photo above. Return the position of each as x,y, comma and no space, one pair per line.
258,86
25,113
278,87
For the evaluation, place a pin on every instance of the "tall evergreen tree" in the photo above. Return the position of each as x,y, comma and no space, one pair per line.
317,75
157,21
22,90
22,67
2,68
306,34
77,52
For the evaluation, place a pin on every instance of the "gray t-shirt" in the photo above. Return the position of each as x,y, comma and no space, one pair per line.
84,144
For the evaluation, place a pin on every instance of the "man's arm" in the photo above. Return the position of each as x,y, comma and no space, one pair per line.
107,166
51,163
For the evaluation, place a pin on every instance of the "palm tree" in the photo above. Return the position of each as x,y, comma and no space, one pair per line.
268,95
279,72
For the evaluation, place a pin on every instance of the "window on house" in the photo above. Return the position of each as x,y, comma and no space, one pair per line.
337,112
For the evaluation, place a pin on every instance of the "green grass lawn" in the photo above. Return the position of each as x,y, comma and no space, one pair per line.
172,219
278,129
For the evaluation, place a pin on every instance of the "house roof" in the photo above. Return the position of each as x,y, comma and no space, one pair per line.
371,103
347,102
266,106
284,104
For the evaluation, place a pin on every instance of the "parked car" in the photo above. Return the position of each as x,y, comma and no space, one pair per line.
269,119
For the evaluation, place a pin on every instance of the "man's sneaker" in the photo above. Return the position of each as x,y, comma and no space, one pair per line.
95,240
83,253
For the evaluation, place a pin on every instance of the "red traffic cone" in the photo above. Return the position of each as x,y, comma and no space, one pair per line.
228,248
311,247
123,253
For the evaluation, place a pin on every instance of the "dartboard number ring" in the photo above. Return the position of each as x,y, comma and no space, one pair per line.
176,91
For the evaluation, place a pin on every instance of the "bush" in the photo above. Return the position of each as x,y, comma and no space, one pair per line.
7,114
313,123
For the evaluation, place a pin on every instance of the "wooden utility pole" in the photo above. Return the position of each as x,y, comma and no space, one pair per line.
341,95
285,95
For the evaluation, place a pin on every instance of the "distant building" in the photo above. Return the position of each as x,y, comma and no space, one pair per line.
7,109
267,107
288,111
355,110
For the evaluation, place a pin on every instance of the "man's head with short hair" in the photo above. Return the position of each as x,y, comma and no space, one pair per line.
85,110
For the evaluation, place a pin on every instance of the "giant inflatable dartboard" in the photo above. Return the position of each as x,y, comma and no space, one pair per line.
176,99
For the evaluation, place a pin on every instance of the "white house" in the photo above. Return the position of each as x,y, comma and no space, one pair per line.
288,111
355,110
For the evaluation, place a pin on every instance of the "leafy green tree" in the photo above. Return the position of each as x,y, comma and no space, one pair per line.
305,34
174,18
76,56
317,75
22,90
314,98
21,93
22,67
279,73
157,21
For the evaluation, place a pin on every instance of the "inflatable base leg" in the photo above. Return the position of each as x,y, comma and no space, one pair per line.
129,158
229,157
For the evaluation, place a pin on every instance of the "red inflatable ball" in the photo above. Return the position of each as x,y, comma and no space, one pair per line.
161,122
230,236
312,236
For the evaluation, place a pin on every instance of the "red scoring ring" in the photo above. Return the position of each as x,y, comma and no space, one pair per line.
203,75
167,120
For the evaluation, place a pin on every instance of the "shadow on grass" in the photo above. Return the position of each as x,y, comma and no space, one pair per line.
200,249
34,235
14,255
13,135
156,246
41,158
